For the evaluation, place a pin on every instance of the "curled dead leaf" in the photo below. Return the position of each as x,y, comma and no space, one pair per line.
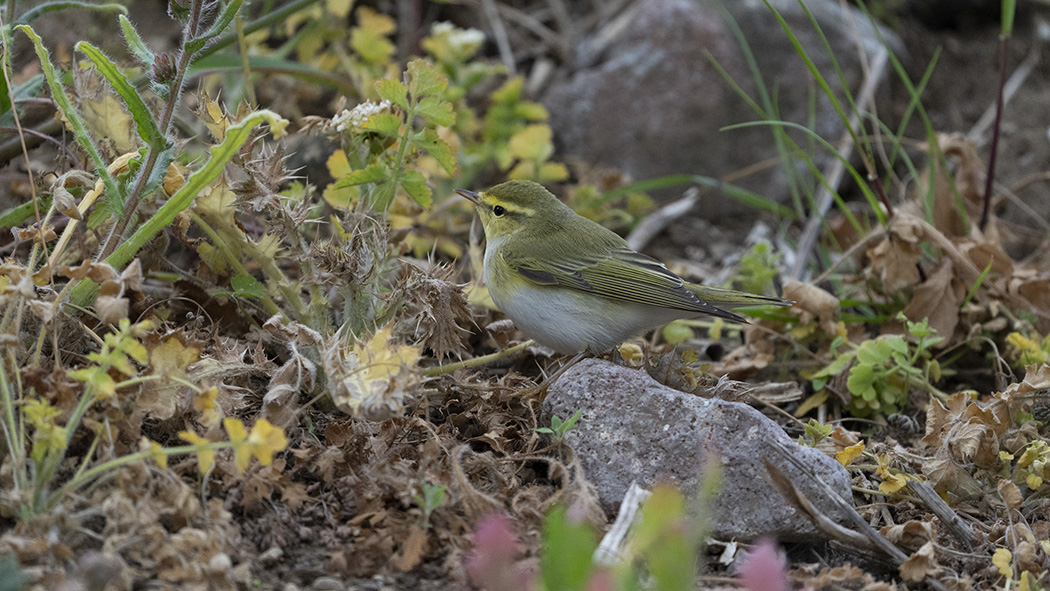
814,302
920,564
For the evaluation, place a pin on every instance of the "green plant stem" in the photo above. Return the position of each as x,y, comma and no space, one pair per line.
92,473
268,303
266,20
146,172
12,433
47,471
440,370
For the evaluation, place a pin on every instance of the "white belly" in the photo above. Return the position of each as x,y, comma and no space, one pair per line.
557,319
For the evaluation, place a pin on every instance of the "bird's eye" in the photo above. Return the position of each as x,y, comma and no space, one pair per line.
498,210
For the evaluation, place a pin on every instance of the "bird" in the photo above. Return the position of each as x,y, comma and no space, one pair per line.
575,286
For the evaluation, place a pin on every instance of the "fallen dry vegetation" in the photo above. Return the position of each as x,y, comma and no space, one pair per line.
217,375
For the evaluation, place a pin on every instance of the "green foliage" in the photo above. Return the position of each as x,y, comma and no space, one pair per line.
884,370
1028,350
379,138
661,550
565,558
432,497
559,428
815,432
757,269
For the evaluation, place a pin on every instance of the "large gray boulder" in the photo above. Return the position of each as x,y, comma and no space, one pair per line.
652,104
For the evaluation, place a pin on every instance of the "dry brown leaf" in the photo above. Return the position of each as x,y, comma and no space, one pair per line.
938,299
1010,494
910,535
920,564
895,258
975,442
814,303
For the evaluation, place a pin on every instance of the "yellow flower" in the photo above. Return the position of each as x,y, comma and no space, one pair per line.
155,451
205,453
266,440
238,437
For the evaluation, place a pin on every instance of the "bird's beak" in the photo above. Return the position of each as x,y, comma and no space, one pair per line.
470,196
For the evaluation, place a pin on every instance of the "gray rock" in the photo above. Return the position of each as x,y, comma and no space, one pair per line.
634,429
655,104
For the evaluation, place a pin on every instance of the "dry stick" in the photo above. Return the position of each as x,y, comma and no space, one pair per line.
502,43
655,222
947,516
838,167
790,491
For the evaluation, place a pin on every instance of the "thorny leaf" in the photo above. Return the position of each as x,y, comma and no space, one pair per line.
438,309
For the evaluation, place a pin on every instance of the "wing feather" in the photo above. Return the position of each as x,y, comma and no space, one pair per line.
620,274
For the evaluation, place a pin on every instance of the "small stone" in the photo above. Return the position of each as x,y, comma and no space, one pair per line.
271,556
327,584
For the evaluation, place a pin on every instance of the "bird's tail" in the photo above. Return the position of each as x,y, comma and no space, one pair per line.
729,298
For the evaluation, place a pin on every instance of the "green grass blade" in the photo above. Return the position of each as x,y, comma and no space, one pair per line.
34,13
80,133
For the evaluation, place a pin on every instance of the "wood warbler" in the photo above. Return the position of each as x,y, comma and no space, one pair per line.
572,284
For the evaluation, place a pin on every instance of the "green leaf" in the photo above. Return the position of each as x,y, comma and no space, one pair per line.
837,366
230,62
246,286
437,148
135,44
384,123
58,94
373,173
565,560
861,381
416,186
33,13
148,129
424,79
567,425
393,91
436,110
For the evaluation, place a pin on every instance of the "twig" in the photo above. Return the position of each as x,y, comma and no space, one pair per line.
502,43
440,370
659,219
